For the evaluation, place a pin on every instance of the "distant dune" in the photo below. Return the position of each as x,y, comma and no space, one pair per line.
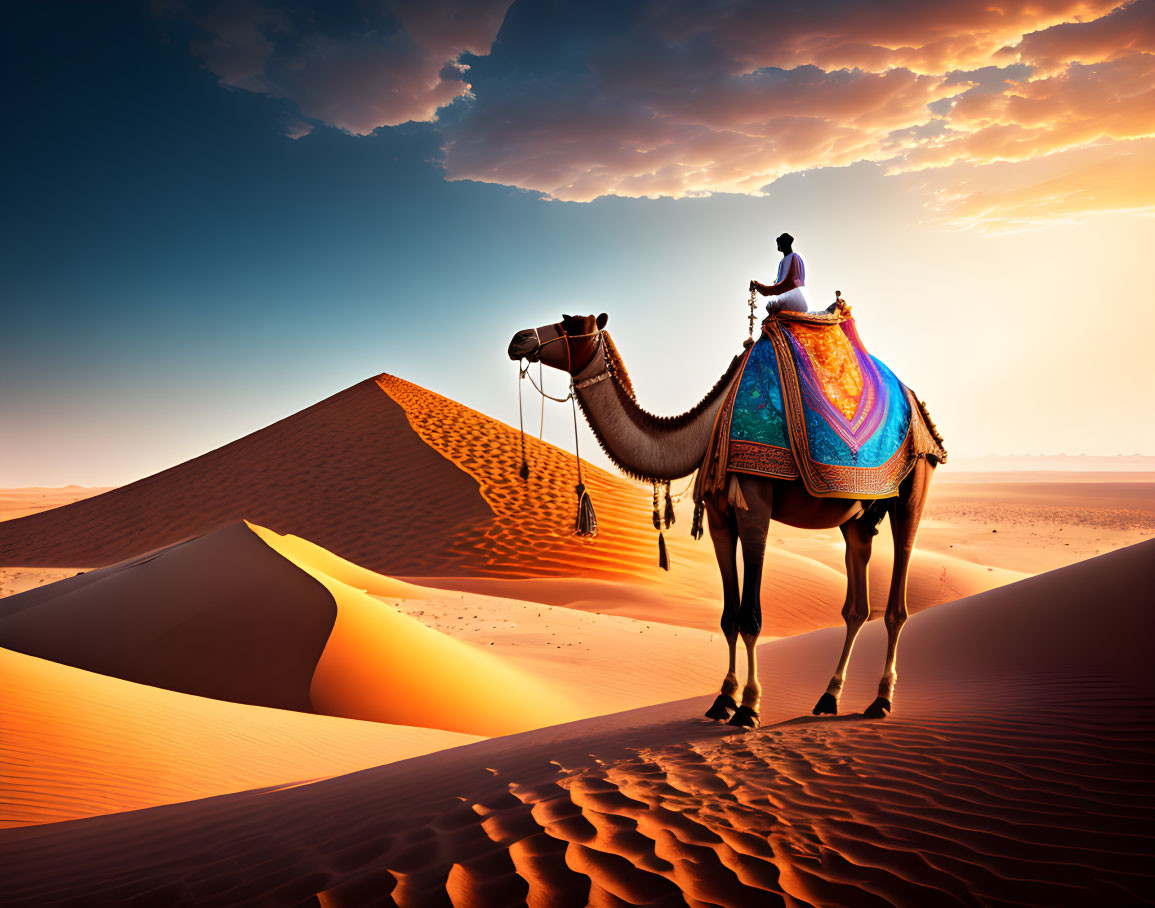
34,499
1016,769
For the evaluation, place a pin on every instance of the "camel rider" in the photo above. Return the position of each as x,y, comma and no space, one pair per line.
786,292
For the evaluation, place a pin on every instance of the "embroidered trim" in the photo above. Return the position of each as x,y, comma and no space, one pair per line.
586,382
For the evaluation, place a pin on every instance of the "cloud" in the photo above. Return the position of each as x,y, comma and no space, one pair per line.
357,70
1126,30
295,128
834,34
646,118
1083,104
689,97
1119,180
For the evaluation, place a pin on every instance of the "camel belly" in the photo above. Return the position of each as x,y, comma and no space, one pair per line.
794,506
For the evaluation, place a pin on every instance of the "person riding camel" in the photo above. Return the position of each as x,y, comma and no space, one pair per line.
787,290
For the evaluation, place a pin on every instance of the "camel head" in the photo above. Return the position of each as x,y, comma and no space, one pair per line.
568,345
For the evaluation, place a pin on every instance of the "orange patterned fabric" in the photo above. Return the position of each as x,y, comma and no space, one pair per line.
835,364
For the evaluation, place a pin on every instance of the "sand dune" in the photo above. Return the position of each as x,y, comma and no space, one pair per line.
78,744
231,617
220,616
1017,769
347,473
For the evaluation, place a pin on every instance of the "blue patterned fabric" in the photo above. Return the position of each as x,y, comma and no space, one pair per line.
777,423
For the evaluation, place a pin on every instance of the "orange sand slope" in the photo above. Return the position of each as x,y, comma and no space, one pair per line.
1017,769
77,744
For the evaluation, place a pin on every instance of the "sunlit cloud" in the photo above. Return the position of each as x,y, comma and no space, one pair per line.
1117,179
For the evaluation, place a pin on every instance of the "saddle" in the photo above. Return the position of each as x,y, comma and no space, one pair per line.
810,402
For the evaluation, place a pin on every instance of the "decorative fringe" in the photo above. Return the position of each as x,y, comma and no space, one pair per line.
587,521
663,558
735,494
668,517
657,516
696,524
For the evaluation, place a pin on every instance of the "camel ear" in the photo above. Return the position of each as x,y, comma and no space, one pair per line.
602,319
565,318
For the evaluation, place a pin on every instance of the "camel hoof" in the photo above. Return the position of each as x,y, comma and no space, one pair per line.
722,709
879,709
827,705
744,717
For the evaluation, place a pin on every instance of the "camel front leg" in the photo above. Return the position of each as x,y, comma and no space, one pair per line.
855,610
724,535
753,524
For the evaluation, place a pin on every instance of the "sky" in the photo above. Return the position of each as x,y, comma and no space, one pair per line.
217,214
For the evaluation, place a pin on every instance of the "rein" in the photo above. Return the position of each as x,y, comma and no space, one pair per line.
586,523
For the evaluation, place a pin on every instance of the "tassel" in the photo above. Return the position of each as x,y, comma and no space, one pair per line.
587,521
663,558
668,519
657,516
735,495
524,471
696,525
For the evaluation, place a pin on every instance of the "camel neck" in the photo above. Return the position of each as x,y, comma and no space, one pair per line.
644,445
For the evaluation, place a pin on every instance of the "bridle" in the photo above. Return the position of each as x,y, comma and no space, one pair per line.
561,335
586,524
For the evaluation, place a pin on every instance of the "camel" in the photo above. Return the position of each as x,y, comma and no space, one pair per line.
664,448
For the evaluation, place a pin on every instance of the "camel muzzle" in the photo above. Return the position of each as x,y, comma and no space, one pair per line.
524,346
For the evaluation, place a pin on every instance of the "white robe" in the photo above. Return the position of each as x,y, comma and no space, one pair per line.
793,300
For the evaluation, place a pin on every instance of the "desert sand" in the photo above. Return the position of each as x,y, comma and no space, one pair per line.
34,499
291,651
1017,768
78,744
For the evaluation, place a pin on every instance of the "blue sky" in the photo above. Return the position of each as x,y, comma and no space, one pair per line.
179,271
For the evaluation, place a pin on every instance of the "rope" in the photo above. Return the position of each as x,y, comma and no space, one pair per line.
561,400
577,454
521,428
541,381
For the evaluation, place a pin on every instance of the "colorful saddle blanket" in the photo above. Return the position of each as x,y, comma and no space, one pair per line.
811,402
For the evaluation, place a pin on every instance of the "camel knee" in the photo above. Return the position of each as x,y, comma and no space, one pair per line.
750,624
895,618
855,614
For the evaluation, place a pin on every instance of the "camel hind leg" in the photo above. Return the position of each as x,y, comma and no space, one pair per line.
905,514
859,536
